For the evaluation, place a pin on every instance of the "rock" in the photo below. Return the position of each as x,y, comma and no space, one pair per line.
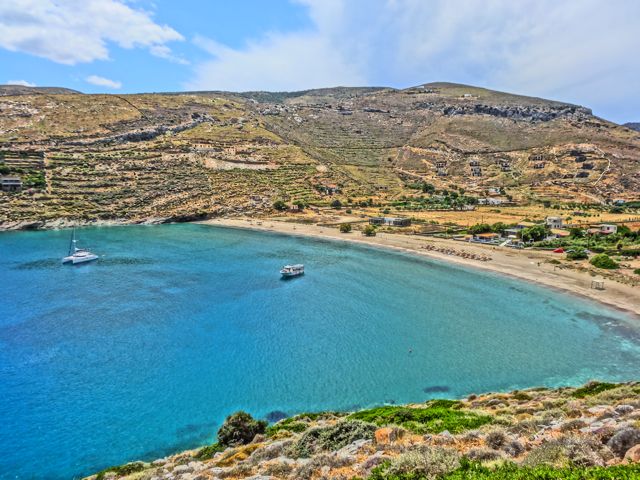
633,454
599,409
159,462
623,440
352,448
180,469
386,435
623,409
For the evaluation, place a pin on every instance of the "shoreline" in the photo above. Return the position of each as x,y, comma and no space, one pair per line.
531,266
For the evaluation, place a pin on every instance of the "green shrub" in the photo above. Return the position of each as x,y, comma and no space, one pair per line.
239,429
603,260
637,271
332,438
280,205
592,388
577,254
345,227
122,470
438,416
337,204
209,451
288,424
511,471
421,462
369,231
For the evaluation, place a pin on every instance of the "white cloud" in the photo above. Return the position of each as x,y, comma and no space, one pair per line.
277,62
582,51
103,82
22,83
162,51
79,31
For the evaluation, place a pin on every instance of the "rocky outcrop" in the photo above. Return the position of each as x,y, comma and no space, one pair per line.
590,432
514,112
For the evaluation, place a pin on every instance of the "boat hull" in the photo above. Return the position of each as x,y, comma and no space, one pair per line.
75,260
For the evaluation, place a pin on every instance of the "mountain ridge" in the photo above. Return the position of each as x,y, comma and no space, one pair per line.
220,153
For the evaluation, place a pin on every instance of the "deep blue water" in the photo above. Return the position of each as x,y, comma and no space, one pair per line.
147,350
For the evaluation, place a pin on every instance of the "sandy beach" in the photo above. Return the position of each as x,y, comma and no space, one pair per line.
524,264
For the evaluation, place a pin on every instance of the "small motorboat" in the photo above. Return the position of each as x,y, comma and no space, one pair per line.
78,255
292,270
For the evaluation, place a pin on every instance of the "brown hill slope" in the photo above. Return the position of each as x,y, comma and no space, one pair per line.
134,157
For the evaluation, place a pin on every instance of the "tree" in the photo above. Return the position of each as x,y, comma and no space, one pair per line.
239,429
345,227
603,260
479,228
576,232
577,254
300,204
279,205
369,231
535,233
428,188
337,204
499,227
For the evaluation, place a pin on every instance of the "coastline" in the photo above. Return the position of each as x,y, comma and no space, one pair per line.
531,266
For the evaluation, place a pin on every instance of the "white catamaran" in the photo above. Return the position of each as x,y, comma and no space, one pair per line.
78,255
292,270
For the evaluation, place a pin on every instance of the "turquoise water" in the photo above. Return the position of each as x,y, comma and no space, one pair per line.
146,351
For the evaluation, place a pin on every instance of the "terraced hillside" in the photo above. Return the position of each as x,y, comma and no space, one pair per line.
139,157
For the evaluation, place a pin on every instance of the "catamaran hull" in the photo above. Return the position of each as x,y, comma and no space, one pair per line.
75,260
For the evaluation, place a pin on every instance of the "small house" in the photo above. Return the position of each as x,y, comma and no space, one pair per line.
390,221
558,233
476,172
10,184
486,237
554,222
608,229
522,225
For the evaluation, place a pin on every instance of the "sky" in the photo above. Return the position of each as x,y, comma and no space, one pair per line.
578,51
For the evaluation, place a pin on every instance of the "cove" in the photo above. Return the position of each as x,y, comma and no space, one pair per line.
146,351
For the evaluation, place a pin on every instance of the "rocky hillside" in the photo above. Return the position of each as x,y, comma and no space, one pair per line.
592,432
633,126
148,156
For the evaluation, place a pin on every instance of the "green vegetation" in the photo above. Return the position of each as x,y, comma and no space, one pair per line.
637,271
239,429
291,424
332,438
535,233
280,205
369,231
577,254
209,451
345,227
603,260
337,204
121,470
437,416
592,388
509,471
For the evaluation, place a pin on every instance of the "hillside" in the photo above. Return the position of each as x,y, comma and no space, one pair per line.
191,155
588,433
22,90
633,126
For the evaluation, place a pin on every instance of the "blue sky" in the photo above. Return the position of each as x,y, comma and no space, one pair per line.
581,51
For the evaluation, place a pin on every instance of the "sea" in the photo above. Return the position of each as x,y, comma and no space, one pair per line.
145,351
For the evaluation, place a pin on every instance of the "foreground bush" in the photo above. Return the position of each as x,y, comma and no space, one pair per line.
438,416
603,260
345,227
239,429
510,471
332,438
121,470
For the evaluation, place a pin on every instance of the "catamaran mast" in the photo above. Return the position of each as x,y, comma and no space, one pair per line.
72,243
